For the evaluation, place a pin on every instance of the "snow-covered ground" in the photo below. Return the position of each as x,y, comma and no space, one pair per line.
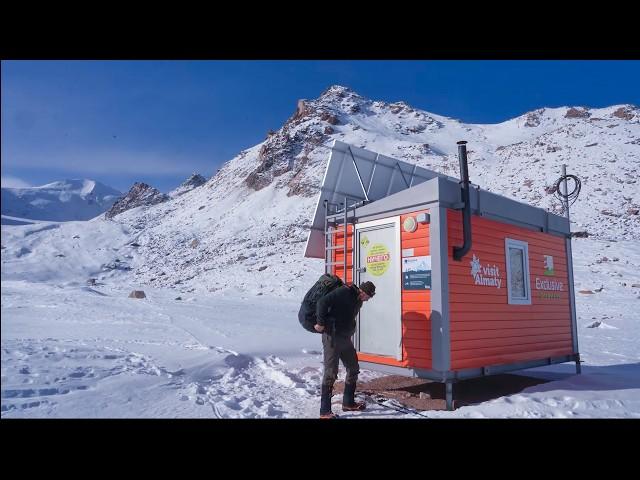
79,351
74,350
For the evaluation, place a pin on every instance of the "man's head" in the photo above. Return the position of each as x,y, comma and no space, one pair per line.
367,290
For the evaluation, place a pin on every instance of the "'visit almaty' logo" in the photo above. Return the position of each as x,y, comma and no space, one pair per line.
488,276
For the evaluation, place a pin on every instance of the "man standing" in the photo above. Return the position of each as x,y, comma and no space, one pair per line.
336,314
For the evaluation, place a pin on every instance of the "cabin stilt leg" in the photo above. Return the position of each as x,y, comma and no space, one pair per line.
449,394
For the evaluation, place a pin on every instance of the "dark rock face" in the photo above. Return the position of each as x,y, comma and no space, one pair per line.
533,119
310,125
625,113
140,194
577,113
194,181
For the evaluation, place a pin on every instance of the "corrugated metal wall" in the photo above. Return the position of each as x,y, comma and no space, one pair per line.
485,329
416,305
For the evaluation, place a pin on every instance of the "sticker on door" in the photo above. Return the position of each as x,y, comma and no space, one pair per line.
378,259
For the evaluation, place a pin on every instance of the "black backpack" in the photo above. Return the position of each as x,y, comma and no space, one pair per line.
307,316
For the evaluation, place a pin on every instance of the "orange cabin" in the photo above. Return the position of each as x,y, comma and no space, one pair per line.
506,304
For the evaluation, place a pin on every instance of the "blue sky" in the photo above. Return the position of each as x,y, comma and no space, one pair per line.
158,121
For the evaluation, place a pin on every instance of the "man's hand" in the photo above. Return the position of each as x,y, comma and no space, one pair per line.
319,328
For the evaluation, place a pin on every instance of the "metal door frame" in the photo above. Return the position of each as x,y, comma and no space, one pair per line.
395,221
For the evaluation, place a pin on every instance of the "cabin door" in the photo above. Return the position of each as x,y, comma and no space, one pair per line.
379,329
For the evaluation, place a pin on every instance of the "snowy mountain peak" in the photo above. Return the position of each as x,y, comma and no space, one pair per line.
82,187
63,200
139,195
338,91
598,144
69,184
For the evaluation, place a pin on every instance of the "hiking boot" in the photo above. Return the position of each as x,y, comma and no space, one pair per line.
325,400
348,401
328,415
354,407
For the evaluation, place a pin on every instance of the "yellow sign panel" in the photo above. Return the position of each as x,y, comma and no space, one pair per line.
378,259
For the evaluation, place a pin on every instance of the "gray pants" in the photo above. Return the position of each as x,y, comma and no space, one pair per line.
342,349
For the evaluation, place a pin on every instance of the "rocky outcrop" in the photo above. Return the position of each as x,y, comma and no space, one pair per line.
303,110
299,185
139,195
533,119
577,113
625,113
329,118
309,126
194,181
312,125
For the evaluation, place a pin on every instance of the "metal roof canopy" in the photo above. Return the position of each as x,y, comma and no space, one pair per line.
483,203
360,175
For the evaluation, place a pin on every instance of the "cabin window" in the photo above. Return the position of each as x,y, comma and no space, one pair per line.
518,285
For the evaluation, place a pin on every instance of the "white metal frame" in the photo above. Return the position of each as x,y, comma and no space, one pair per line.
376,223
349,170
524,246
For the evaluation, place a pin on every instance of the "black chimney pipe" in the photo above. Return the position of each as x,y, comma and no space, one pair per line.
459,252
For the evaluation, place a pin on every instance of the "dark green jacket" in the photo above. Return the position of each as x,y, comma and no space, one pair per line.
339,309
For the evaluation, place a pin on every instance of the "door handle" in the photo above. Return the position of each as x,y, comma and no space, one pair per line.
361,269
